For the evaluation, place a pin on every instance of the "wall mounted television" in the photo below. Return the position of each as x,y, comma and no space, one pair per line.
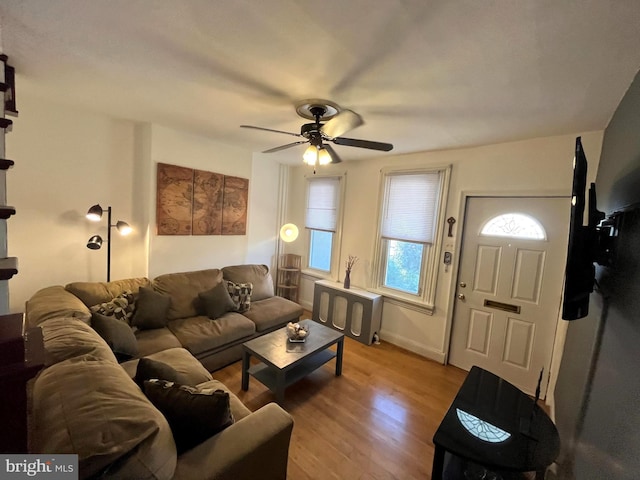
588,244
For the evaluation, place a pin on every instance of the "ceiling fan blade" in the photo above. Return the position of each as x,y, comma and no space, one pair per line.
283,147
353,142
270,130
343,122
335,158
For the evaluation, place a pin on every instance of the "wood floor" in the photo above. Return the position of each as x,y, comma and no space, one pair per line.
376,421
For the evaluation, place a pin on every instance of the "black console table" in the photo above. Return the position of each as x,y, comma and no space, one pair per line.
21,358
493,430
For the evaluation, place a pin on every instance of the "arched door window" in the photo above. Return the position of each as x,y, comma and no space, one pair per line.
515,225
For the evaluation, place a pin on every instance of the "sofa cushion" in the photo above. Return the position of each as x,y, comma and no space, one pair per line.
238,409
180,360
117,334
201,334
93,293
69,337
54,302
149,369
151,309
120,307
155,340
273,312
93,409
240,294
258,275
216,301
193,414
183,288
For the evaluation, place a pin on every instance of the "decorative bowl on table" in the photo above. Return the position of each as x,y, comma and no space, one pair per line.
297,333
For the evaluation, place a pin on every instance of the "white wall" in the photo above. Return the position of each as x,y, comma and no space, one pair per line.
66,161
181,253
539,166
263,211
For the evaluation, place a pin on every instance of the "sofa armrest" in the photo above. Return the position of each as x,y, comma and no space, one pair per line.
256,446
53,302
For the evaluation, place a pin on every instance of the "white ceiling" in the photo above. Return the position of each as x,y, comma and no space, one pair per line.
424,75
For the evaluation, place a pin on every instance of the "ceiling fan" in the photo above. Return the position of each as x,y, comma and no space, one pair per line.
337,122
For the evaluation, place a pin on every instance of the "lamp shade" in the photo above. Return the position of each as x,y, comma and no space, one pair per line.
95,242
95,213
310,155
123,227
289,232
324,157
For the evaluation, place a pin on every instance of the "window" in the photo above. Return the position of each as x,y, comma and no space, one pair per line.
515,225
410,223
322,220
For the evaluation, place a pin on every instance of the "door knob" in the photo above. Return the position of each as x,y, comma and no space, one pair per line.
461,296
463,284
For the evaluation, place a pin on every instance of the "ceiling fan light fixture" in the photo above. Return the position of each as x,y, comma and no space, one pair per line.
324,157
310,155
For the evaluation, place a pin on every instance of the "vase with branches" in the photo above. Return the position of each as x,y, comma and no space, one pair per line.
349,264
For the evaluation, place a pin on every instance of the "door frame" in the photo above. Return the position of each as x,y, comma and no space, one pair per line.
561,327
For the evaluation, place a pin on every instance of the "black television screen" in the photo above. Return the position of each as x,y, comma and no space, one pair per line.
580,270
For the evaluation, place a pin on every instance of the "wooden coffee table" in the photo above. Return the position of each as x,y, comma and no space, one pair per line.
284,363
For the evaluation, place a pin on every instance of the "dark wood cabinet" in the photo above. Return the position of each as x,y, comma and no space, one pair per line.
22,358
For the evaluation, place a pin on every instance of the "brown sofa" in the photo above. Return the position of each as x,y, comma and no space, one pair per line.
215,343
85,402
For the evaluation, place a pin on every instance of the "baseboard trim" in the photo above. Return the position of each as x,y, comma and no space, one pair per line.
412,346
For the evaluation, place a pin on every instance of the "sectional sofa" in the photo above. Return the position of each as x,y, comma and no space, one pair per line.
86,401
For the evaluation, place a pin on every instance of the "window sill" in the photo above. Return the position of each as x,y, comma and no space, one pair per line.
317,274
401,301
415,305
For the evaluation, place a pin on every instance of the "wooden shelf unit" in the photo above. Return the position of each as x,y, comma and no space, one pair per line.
8,266
6,211
6,164
288,282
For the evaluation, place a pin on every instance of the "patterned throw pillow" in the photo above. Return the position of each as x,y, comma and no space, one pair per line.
121,307
240,295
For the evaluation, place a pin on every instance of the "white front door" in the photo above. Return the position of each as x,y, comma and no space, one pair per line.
509,287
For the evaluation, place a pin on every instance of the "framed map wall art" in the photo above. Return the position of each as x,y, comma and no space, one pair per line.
174,200
234,206
208,189
197,202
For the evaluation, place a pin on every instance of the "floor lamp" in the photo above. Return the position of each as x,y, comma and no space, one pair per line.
95,242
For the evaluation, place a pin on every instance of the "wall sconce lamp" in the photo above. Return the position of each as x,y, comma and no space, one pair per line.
95,242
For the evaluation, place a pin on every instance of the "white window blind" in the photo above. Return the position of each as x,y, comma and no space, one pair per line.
322,203
411,206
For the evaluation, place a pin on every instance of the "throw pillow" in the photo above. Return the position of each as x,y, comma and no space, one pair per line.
121,307
193,415
149,369
117,334
151,309
217,301
240,294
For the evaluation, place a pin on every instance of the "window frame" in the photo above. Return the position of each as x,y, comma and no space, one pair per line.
337,235
425,298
